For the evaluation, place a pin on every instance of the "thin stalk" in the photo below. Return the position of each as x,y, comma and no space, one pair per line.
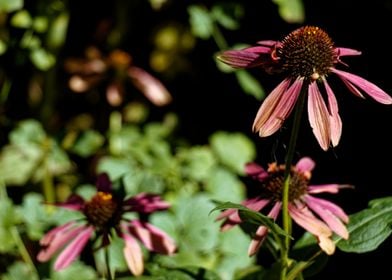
286,185
108,272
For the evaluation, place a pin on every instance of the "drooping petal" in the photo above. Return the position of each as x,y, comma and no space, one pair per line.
334,118
329,188
153,238
133,255
245,58
303,217
56,239
332,207
261,233
146,203
347,52
151,87
276,107
73,249
326,244
371,89
328,217
318,116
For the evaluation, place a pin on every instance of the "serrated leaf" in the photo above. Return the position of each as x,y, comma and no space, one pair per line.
369,228
291,11
249,84
202,24
233,149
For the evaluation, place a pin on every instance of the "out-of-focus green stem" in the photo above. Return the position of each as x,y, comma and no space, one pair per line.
108,272
218,38
286,185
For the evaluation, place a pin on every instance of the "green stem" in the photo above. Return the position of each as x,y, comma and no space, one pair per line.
108,272
286,185
219,38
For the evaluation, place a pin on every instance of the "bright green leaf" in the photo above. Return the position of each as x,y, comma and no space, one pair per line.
249,84
233,149
58,31
197,162
21,19
291,11
369,228
9,6
40,24
88,143
3,47
42,59
227,15
202,24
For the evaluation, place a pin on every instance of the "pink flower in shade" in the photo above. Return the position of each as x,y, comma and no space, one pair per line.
104,216
306,57
316,215
114,70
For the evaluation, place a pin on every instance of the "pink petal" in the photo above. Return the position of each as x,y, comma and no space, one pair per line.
73,249
254,170
74,202
329,188
152,88
333,208
318,116
374,91
347,52
55,240
276,107
305,164
302,216
152,237
261,233
334,119
268,43
353,89
133,255
327,216
146,203
245,58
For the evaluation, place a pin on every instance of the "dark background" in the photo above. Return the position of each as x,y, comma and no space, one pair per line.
208,100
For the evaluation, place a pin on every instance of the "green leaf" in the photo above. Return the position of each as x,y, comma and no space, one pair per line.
3,47
34,215
224,185
252,217
291,11
58,31
249,84
202,25
21,19
233,149
369,228
8,219
88,143
77,270
9,6
227,15
42,59
19,270
197,162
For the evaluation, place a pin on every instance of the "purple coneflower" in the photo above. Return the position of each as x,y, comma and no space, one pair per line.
103,217
316,215
306,56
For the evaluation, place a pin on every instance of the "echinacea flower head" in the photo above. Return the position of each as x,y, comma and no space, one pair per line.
104,215
306,57
316,215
